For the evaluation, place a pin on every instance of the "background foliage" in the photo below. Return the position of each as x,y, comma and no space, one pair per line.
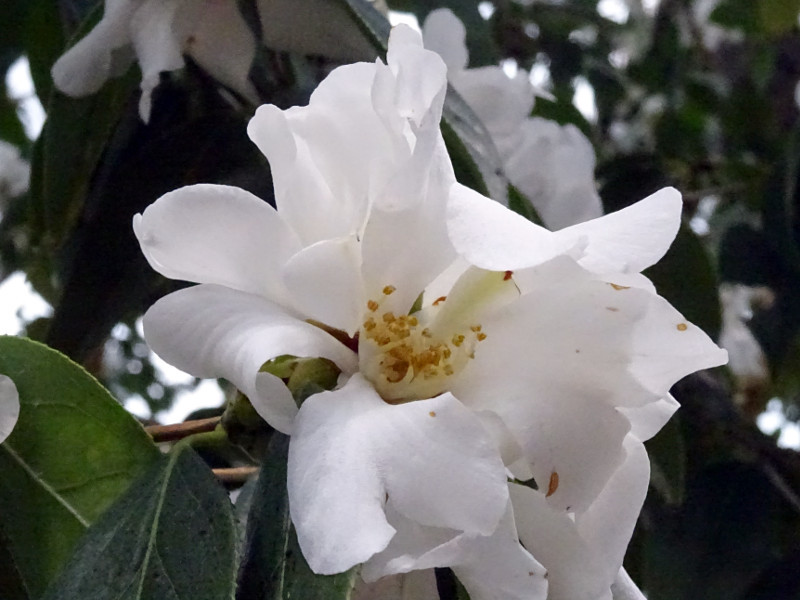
697,94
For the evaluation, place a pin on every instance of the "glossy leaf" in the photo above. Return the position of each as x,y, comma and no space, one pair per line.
668,462
44,42
172,535
73,452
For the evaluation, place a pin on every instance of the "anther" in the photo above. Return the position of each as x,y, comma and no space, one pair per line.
552,485
507,275
388,290
439,300
458,339
372,305
481,337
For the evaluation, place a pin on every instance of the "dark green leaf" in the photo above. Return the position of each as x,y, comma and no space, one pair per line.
372,23
172,535
273,566
73,139
668,462
44,43
73,451
475,158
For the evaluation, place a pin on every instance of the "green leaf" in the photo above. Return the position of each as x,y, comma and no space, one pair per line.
172,535
273,566
667,453
44,42
74,137
73,451
778,16
372,23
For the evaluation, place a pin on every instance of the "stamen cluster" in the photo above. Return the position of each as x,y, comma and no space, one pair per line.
411,361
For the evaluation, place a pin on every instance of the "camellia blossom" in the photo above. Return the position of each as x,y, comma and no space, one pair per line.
551,164
160,32
747,360
9,407
469,339
15,173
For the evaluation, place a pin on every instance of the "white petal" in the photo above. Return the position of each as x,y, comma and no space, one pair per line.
325,281
339,144
414,547
216,35
666,348
406,249
213,331
156,46
301,193
420,77
498,567
490,567
9,406
631,239
445,34
492,237
574,572
217,234
647,420
608,524
350,450
84,68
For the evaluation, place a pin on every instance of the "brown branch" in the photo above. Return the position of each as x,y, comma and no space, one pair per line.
235,474
170,433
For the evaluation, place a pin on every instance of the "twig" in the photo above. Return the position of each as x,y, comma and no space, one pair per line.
235,474
170,433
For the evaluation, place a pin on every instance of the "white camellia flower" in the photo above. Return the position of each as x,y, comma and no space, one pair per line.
552,165
747,360
15,173
469,339
160,32
9,407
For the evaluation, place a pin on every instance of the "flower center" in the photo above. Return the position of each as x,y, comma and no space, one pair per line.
415,356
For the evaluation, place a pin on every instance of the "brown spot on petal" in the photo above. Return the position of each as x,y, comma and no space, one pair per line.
439,300
612,309
619,287
682,327
553,485
432,413
507,275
